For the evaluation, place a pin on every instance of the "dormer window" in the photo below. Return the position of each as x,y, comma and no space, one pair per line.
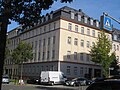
72,15
79,17
51,16
97,24
91,21
115,37
46,17
85,19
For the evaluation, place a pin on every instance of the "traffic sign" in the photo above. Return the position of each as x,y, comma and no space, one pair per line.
107,23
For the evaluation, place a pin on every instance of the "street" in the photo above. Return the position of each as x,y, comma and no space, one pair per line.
40,87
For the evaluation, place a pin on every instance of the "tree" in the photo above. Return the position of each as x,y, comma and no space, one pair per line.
25,12
22,53
101,53
115,67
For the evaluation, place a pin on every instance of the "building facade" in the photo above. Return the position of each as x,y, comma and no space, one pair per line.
61,41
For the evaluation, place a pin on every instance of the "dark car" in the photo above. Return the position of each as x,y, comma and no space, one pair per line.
78,81
105,84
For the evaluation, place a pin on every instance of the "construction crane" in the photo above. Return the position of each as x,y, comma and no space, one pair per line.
106,14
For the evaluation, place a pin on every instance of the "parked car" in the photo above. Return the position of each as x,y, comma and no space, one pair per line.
33,81
52,77
5,79
106,84
78,81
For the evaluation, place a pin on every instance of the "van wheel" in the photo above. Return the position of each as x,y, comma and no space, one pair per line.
52,83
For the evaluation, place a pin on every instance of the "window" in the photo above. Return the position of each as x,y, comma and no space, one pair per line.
93,33
35,44
75,41
93,44
85,19
72,15
48,54
81,56
68,70
75,70
43,56
38,55
88,31
39,44
88,44
43,42
49,41
91,21
118,47
114,46
98,34
87,57
68,54
70,26
75,55
82,43
53,39
53,54
115,37
97,24
82,30
54,25
44,29
76,28
79,17
69,40
81,71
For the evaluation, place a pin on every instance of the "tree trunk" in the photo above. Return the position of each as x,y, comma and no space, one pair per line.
3,31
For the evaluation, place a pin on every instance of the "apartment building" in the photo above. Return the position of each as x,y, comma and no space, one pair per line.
61,41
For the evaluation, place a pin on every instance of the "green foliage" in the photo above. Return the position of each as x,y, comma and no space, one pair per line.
100,53
26,12
22,53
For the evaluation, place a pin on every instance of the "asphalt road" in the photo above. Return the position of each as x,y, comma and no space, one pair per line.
40,87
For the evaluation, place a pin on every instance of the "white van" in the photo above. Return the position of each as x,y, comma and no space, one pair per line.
52,77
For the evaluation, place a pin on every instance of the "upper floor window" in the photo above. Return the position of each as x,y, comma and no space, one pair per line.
88,31
75,55
98,34
115,37
68,54
79,17
82,43
76,41
70,26
81,56
88,44
72,15
53,39
114,46
54,25
76,28
93,44
85,19
82,30
93,33
69,40
117,58
53,54
118,47
49,41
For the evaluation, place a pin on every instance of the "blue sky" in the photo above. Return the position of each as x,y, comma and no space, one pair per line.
93,8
